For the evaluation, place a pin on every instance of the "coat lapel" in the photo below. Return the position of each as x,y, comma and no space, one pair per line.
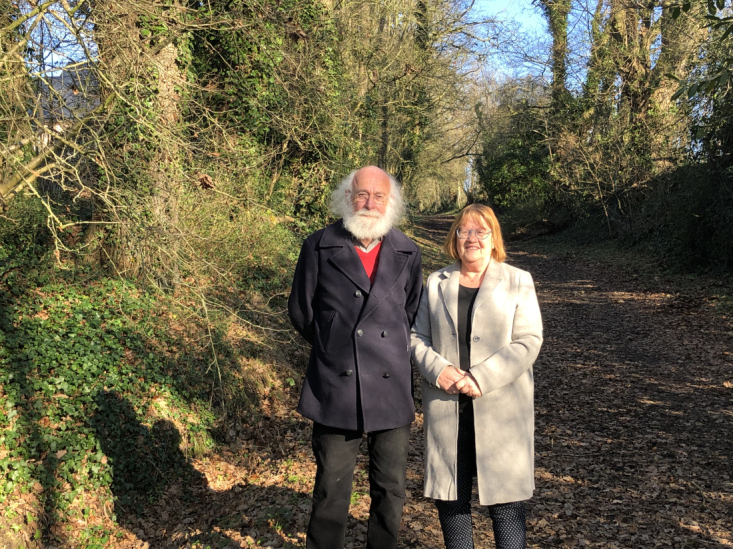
391,265
491,280
450,284
449,290
346,260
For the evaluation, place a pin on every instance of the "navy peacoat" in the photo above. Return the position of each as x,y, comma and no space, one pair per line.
359,375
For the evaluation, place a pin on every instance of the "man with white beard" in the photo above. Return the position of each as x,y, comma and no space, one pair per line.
355,294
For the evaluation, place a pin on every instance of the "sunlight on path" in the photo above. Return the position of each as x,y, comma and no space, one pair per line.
634,393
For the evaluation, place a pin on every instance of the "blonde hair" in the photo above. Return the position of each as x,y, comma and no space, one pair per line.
478,213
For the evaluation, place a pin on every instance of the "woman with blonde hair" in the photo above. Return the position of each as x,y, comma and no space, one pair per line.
477,333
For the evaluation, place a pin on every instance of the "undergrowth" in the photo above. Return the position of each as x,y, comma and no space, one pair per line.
682,217
108,389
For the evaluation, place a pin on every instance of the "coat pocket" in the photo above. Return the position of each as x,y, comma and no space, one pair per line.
325,328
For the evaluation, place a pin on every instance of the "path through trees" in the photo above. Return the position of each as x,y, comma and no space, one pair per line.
634,395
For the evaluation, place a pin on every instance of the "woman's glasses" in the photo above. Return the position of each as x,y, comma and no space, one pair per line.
481,234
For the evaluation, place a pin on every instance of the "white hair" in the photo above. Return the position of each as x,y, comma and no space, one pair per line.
342,206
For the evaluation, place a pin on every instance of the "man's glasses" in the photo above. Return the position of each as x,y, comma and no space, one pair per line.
481,234
378,198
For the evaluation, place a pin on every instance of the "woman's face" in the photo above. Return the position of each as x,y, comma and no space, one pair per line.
472,249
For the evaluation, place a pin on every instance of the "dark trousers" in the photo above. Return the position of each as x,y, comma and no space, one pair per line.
335,451
508,519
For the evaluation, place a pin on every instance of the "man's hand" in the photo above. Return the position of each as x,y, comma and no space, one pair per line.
448,379
469,386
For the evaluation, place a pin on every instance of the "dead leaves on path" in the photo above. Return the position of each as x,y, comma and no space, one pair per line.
633,415
257,494
634,409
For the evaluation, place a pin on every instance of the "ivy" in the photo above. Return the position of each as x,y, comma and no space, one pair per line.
721,27
94,385
66,355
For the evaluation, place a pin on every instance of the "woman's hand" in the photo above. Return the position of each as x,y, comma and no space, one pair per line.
448,378
454,381
469,386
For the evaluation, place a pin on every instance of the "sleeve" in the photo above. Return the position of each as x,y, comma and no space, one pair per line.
511,361
300,302
428,361
414,289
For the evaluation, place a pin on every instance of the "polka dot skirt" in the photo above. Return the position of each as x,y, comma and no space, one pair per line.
455,516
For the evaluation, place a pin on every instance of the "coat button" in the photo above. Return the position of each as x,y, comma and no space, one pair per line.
357,293
359,333
476,338
384,333
349,372
386,374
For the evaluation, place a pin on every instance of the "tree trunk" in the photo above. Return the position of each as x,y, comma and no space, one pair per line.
167,174
148,246
384,142
631,37
598,56
557,12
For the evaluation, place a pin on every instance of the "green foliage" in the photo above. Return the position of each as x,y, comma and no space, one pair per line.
515,166
693,218
63,349
133,142
103,390
256,244
518,171
24,245
714,78
697,210
711,110
622,154
275,82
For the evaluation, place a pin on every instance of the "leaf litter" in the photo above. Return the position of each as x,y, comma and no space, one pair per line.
634,406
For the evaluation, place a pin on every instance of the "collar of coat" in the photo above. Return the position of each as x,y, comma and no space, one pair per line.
393,259
450,281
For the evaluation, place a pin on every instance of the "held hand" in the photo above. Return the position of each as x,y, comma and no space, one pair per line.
469,386
448,379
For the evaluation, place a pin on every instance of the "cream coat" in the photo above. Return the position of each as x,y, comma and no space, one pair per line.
506,338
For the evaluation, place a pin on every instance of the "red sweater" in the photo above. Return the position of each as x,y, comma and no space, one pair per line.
370,260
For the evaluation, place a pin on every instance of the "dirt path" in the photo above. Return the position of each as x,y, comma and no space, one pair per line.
634,396
634,412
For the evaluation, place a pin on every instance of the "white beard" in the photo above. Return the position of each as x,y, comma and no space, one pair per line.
368,224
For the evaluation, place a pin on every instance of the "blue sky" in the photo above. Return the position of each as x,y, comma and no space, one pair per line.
519,51
521,11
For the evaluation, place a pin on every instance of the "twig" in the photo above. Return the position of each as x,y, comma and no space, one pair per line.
704,499
213,353
573,455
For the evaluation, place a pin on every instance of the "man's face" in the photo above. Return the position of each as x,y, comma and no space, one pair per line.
371,214
371,190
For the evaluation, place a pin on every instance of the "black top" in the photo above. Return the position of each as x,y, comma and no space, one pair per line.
466,299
